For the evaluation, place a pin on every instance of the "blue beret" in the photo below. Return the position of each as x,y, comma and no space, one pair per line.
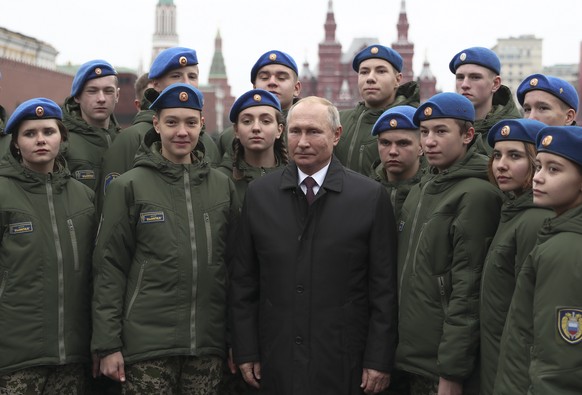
524,130
253,98
558,87
179,95
38,108
378,51
93,69
445,105
399,117
476,55
565,141
273,57
171,59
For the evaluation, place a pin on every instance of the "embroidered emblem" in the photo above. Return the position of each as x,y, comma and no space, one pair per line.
570,324
108,178
393,123
547,141
39,111
183,61
257,98
463,57
152,217
85,175
183,96
428,111
505,131
533,82
374,50
273,57
98,71
20,227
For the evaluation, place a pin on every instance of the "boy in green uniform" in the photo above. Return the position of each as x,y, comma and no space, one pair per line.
379,71
399,166
446,223
545,317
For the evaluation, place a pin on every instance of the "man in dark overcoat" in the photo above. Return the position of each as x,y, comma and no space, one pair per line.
313,279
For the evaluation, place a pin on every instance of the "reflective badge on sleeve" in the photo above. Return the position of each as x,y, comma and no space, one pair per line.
570,324
19,228
152,217
85,175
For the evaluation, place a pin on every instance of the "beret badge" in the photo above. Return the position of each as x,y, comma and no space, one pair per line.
183,61
505,131
534,82
98,71
374,50
393,123
463,57
547,141
428,111
183,96
273,57
257,98
39,111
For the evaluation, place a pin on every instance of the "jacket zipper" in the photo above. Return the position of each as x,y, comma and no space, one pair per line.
3,283
108,137
354,138
190,210
136,290
61,276
416,249
393,201
208,237
442,291
73,236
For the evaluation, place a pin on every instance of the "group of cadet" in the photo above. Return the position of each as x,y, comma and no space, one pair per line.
397,248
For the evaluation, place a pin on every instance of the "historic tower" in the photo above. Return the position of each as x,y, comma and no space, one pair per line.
404,47
427,82
330,53
219,81
165,35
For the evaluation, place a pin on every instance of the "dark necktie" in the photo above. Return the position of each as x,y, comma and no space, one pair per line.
309,184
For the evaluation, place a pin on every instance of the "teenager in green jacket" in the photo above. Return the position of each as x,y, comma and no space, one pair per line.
259,147
477,74
379,75
446,224
159,305
275,71
172,65
511,169
544,321
399,167
48,230
88,115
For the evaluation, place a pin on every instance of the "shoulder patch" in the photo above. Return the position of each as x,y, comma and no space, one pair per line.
570,324
85,175
20,227
108,178
152,217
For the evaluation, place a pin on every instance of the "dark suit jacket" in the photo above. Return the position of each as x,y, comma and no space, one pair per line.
313,290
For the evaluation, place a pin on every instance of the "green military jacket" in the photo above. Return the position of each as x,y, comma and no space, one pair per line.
86,144
447,223
119,158
247,172
516,235
357,149
398,190
544,322
160,274
48,230
504,107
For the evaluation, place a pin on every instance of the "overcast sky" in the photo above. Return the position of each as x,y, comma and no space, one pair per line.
120,31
